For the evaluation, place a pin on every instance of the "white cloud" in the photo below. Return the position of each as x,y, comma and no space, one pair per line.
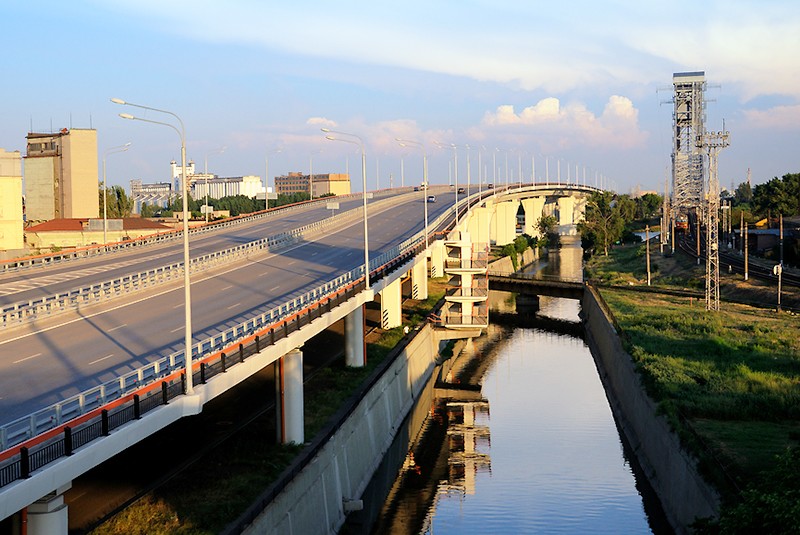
322,122
779,117
573,124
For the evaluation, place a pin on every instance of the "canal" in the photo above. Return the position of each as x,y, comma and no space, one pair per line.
519,437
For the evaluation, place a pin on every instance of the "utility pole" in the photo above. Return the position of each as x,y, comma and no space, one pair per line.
746,233
712,142
647,248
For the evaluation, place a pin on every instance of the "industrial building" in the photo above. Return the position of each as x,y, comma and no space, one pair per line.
61,175
324,184
11,220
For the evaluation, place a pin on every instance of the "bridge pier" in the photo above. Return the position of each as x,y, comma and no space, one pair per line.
289,398
419,279
438,253
392,305
478,226
355,355
504,226
566,215
534,208
49,515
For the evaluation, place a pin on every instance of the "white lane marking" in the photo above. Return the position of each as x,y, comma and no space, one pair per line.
117,327
291,263
273,289
234,306
226,288
28,358
101,359
134,302
265,274
178,306
176,330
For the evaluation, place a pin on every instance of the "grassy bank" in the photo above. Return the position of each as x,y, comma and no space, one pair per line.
215,490
729,381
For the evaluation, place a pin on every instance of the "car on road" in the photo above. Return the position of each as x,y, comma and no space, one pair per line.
461,190
490,185
431,198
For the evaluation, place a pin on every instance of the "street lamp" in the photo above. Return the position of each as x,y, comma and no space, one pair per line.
266,175
455,167
187,356
112,150
311,174
405,143
360,142
205,172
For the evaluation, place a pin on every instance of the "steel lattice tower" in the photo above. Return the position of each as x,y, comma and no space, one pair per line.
712,143
688,124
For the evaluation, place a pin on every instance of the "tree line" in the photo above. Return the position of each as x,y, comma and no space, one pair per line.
121,205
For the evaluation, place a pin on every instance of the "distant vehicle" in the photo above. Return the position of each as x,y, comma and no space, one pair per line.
490,185
431,198
682,224
461,190
416,188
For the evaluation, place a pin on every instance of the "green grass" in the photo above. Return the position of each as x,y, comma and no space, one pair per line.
728,382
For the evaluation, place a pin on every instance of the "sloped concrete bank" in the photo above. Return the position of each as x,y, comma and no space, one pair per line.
671,470
315,494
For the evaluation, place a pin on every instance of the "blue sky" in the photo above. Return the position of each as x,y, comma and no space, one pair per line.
583,82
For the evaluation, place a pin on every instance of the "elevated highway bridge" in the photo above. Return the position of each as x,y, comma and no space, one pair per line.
82,383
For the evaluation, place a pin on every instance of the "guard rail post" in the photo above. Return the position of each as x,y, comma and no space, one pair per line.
67,441
164,392
137,407
24,463
104,423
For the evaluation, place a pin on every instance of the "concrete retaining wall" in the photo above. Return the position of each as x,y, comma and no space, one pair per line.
504,265
313,502
671,470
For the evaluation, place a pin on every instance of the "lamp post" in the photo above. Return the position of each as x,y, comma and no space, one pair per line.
360,142
112,150
266,176
455,168
187,357
405,143
311,174
205,172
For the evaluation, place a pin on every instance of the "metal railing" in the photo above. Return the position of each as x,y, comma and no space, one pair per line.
35,308
55,431
19,264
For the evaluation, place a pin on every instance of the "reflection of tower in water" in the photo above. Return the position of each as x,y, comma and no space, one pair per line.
469,441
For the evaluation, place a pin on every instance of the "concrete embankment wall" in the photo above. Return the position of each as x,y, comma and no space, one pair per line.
314,500
671,470
505,265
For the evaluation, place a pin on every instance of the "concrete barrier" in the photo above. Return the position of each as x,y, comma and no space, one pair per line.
671,470
318,497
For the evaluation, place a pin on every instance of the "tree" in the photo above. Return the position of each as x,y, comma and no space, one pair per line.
778,196
603,222
743,194
118,204
648,205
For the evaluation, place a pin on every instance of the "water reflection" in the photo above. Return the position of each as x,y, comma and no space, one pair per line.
547,457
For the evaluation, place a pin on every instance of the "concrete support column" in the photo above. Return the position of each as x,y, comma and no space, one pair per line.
479,224
566,208
504,226
49,515
355,355
533,212
437,259
289,398
419,279
391,305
